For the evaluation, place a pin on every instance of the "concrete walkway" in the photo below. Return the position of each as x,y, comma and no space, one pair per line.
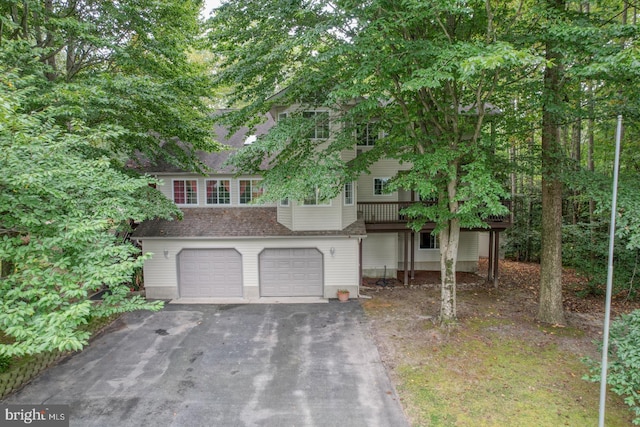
227,365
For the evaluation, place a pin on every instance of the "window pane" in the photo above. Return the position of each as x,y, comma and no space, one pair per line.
380,185
428,241
191,192
218,192
178,192
366,134
348,193
321,126
245,191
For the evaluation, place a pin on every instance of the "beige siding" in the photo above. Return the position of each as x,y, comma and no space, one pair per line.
349,215
285,217
340,269
386,168
429,259
166,188
316,218
378,251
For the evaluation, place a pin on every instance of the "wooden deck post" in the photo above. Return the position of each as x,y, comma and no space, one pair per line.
406,258
496,256
490,260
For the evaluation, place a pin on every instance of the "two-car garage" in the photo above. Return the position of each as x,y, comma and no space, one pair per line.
217,273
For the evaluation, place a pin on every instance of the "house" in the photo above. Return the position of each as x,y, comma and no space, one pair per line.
228,247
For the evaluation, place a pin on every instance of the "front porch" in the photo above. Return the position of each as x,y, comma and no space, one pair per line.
387,217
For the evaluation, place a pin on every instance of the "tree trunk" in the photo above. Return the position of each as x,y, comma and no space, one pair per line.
550,309
449,241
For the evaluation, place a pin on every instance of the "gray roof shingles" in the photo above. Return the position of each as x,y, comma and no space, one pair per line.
232,222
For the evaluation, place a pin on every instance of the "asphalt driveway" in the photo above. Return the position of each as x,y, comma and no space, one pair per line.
226,365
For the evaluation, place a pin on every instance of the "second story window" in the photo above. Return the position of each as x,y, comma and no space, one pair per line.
314,200
218,192
380,186
250,189
348,193
321,128
366,134
185,192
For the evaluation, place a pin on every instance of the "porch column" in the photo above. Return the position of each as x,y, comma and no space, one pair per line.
496,256
406,258
413,255
359,264
490,260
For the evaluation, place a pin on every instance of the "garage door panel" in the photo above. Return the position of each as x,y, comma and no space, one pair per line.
291,272
210,273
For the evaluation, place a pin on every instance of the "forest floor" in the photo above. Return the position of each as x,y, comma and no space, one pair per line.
498,366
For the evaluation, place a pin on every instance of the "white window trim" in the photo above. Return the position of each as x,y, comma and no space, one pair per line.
353,196
218,180
387,179
370,129
437,242
315,128
284,203
173,191
317,204
251,202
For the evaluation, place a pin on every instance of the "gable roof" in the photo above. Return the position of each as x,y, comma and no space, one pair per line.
232,222
214,161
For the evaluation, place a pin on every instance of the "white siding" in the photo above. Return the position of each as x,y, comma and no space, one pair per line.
340,269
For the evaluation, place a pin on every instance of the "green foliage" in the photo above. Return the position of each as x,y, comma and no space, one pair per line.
422,71
84,86
5,363
522,241
121,67
623,372
61,207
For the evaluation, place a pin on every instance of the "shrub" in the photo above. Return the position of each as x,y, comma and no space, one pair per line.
5,363
624,361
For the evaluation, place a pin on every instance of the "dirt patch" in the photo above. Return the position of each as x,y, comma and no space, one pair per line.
403,318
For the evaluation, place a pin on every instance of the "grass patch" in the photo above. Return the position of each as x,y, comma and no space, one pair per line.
481,378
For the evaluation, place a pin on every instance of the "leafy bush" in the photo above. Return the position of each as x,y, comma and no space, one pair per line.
5,363
586,248
624,361
523,237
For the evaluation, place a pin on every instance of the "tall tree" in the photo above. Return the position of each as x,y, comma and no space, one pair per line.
84,85
122,66
426,73
550,307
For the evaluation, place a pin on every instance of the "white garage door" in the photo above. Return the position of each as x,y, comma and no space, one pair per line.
210,273
290,272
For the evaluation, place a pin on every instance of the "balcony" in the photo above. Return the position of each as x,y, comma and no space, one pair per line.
387,216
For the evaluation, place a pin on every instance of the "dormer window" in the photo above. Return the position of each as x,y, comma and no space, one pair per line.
321,127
